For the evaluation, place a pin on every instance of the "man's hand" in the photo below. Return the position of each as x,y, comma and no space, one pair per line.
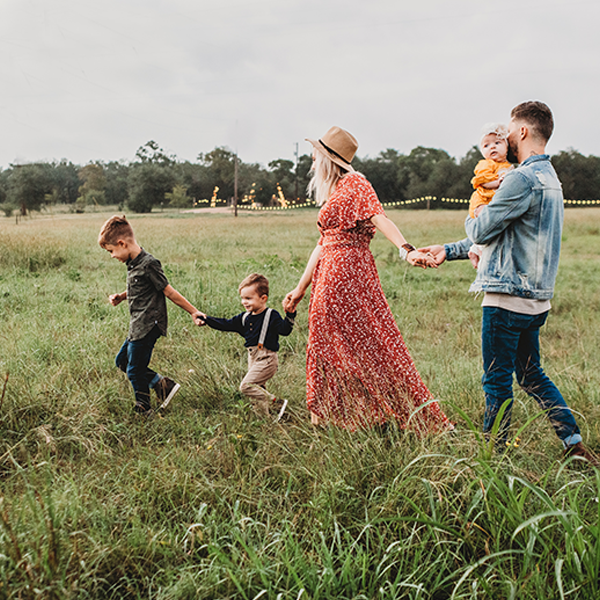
417,258
437,251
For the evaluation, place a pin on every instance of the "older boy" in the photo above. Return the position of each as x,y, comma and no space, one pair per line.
147,287
261,327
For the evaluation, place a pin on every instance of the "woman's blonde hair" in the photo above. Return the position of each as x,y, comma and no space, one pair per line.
325,176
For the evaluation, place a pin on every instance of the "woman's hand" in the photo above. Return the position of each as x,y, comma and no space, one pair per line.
416,258
292,299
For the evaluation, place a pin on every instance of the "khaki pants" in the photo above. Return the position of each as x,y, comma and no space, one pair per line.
262,365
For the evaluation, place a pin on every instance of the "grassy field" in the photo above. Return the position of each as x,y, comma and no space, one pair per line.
205,501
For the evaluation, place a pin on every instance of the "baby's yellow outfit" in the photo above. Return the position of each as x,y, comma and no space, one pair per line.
486,171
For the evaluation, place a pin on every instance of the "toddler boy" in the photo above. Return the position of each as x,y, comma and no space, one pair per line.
261,327
147,287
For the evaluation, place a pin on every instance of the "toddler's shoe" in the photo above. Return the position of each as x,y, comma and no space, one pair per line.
165,389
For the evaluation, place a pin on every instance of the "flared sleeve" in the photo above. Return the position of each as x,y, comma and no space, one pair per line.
352,205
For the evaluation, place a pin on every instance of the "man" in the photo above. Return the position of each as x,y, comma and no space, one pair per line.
521,232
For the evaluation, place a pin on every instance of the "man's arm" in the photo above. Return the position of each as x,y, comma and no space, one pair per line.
512,200
452,251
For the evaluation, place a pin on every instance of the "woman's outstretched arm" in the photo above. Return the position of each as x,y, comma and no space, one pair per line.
392,233
293,298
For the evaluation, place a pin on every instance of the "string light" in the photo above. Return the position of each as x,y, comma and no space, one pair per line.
285,204
213,200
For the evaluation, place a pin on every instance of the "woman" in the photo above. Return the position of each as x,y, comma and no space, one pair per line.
358,370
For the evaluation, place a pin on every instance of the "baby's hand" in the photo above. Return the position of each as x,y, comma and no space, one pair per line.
474,256
502,173
478,210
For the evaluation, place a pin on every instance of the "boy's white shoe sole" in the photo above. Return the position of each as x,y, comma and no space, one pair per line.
281,411
169,397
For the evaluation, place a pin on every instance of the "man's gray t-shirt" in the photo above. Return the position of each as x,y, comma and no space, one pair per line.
146,282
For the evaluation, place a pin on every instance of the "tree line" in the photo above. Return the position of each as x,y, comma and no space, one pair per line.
156,179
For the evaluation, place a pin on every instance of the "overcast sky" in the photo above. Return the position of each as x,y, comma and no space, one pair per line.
94,80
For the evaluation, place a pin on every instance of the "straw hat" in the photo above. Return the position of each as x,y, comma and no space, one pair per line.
338,145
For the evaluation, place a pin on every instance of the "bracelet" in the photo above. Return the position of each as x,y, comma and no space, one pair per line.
405,249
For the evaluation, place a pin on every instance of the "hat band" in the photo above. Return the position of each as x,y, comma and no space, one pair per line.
334,152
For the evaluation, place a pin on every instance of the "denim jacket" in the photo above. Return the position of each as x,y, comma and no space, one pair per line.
521,231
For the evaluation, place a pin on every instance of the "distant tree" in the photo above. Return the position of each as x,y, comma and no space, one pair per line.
65,181
283,173
461,186
117,175
197,179
151,152
28,186
220,164
304,173
579,174
426,172
3,185
148,184
253,178
178,197
94,182
5,206
382,173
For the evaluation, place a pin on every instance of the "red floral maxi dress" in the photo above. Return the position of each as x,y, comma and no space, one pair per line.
358,370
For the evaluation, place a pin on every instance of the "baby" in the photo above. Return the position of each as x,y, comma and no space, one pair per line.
489,174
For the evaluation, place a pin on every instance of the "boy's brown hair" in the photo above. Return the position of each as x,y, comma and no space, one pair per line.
537,115
115,229
260,281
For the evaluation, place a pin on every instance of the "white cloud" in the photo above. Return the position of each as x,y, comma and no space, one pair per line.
86,80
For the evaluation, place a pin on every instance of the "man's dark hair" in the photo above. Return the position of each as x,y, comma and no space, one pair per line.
537,115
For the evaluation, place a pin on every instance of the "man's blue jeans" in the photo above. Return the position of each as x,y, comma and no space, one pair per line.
511,344
133,358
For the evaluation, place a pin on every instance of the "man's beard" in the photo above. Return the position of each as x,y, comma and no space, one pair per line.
511,157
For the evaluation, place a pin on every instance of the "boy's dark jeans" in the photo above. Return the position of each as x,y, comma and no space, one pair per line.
133,358
511,344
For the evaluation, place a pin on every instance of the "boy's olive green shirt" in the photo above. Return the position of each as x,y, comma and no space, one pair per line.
146,282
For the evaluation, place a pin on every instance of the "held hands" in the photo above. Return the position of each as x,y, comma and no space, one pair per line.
199,318
292,299
420,258
436,251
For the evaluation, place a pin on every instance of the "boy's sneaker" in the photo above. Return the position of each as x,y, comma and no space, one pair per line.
142,411
279,405
580,451
165,389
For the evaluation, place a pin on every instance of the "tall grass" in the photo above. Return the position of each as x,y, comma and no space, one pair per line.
205,501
